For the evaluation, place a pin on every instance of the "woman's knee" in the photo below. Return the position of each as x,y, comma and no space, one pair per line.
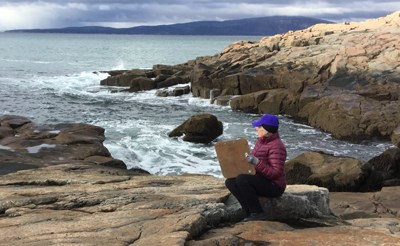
243,179
231,182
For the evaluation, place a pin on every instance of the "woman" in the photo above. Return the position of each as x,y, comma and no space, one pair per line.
268,156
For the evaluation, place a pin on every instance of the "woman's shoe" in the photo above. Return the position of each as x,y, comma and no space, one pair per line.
256,216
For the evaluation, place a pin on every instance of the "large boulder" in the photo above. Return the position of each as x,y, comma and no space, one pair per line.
382,170
200,128
343,173
325,170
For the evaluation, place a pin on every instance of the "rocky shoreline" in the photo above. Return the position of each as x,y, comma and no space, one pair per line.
57,188
88,204
342,78
60,185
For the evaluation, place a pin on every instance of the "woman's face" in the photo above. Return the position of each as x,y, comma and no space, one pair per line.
261,132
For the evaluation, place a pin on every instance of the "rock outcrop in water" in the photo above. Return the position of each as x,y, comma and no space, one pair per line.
25,145
199,128
161,76
343,78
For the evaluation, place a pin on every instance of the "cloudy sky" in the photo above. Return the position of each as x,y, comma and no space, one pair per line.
19,14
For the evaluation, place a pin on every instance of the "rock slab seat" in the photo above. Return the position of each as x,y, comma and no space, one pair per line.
298,202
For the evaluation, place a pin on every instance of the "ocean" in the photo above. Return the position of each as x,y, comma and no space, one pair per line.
55,78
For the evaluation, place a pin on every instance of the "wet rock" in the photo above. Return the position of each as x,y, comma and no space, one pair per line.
175,92
221,100
159,78
124,79
141,84
200,128
114,72
171,81
162,93
179,91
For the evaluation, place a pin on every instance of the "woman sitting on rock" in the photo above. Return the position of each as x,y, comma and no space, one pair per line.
268,156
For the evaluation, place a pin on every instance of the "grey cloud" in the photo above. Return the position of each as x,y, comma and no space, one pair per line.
186,2
155,12
357,15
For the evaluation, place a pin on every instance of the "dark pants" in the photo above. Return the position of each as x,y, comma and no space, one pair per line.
246,188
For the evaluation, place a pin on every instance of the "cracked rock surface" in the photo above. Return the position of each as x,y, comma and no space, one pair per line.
95,205
88,204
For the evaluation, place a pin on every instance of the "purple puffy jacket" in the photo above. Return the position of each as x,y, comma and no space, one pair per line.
271,153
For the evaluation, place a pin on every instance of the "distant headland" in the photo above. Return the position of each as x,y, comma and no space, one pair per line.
261,26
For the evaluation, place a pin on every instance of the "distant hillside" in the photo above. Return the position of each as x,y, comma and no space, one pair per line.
261,26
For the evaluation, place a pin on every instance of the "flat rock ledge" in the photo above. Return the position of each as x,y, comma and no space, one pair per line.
299,202
87,204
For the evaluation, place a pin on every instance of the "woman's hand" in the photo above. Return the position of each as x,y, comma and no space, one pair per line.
251,159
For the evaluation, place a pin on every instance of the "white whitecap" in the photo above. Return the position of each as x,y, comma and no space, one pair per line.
83,83
307,131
